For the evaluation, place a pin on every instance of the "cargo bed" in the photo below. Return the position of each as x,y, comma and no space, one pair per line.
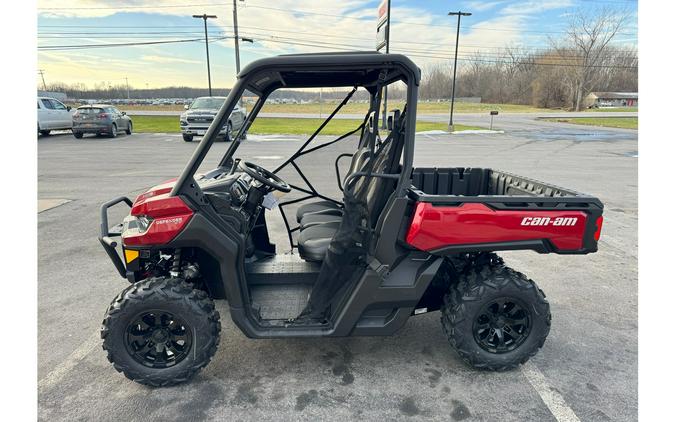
476,209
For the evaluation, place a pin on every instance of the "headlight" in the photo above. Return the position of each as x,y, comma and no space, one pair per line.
135,224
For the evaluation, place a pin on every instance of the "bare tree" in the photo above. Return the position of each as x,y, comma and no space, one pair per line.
587,39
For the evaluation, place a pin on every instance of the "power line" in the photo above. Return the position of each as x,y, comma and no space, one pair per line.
495,55
320,44
166,6
153,34
448,57
85,46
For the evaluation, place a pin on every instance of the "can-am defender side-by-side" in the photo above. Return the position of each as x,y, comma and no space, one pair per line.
401,241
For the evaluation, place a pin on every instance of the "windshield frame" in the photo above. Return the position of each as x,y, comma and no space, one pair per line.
248,80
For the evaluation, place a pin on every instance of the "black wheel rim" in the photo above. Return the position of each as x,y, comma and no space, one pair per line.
158,339
502,325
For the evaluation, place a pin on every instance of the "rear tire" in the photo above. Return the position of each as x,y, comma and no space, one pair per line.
144,326
495,317
187,138
78,135
113,131
129,128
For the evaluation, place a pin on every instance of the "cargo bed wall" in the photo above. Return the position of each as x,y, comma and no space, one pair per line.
474,209
480,181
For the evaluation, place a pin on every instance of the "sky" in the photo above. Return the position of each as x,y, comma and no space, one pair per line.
420,29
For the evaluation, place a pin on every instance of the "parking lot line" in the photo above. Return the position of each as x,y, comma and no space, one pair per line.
553,400
69,363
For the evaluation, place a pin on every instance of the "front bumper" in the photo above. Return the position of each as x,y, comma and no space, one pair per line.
198,130
108,235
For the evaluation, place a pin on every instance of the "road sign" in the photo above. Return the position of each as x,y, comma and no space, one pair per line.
382,12
493,113
381,39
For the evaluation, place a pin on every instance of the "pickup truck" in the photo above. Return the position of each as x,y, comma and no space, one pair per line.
199,115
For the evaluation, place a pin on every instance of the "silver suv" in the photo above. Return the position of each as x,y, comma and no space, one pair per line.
198,117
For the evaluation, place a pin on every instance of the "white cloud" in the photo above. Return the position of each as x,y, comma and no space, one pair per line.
482,6
168,59
534,6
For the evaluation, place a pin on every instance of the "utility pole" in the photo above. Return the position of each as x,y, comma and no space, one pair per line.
236,35
42,74
127,79
384,114
206,38
454,69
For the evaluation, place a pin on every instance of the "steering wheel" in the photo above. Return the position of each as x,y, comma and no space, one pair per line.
264,176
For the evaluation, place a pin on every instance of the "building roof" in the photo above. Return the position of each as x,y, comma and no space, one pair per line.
616,95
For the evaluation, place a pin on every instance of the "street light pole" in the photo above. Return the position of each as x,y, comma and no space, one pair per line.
454,69
206,38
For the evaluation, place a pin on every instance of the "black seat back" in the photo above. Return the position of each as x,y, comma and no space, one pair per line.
386,160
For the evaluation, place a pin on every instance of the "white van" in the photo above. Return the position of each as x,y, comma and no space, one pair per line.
53,115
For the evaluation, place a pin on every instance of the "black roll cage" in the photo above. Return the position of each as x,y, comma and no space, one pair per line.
321,70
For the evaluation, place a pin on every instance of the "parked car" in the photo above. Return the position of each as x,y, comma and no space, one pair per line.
100,119
199,115
52,115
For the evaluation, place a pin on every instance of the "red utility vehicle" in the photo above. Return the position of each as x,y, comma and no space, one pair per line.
401,241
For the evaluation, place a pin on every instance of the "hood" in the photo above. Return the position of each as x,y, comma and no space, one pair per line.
201,111
162,189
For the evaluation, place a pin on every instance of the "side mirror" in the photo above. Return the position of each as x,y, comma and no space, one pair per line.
185,107
124,113
68,108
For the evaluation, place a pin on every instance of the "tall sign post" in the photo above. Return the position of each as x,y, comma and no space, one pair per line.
382,41
454,68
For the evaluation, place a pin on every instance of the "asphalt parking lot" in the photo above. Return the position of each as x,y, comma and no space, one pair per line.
586,370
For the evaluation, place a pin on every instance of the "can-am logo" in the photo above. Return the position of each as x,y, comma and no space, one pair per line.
175,220
547,221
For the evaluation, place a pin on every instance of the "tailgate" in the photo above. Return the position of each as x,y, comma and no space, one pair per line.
534,215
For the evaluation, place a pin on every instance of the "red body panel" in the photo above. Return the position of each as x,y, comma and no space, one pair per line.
434,227
169,216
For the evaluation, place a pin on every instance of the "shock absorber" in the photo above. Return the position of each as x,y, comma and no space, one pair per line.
175,265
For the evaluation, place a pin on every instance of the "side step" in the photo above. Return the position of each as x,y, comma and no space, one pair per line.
282,269
280,302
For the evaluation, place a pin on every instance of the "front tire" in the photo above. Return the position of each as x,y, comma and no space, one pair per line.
187,138
160,331
495,317
45,132
78,135
228,132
